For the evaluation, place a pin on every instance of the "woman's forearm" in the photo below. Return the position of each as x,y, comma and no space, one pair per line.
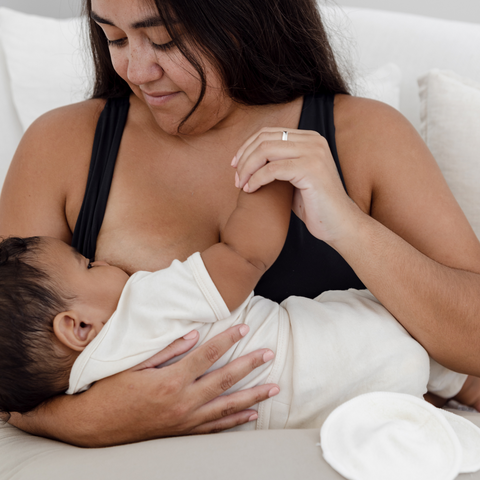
57,419
146,402
438,305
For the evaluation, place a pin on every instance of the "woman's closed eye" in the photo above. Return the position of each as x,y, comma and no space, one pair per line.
121,42
164,46
117,43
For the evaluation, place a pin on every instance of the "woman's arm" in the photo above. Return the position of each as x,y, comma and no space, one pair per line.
403,234
145,403
42,195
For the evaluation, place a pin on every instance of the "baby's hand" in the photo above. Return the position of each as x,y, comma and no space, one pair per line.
469,395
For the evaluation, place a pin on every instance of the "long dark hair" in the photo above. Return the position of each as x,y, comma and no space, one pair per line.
266,51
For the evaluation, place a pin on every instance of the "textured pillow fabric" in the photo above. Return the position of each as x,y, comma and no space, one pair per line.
450,125
383,84
10,128
46,62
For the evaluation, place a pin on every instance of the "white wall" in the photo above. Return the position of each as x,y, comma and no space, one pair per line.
47,8
463,10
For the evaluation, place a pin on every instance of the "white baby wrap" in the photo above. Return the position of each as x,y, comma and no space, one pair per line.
328,350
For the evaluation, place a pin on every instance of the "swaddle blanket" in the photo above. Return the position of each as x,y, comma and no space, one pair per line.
398,436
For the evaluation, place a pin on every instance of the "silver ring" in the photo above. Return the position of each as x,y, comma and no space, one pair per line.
285,136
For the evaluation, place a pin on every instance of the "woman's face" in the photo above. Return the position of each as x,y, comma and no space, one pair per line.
158,74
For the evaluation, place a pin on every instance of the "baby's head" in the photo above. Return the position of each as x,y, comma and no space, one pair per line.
52,305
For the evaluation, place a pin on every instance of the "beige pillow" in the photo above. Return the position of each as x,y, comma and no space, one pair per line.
450,125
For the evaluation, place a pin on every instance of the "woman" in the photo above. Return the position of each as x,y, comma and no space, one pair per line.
211,82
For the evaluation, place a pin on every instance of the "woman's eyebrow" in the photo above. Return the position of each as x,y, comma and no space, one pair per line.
148,22
99,19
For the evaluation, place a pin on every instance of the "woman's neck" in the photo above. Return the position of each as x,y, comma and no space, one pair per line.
238,123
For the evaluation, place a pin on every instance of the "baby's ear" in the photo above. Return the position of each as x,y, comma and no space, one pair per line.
72,331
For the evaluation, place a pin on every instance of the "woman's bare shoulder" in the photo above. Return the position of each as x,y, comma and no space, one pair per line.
373,141
47,175
360,115
392,175
67,122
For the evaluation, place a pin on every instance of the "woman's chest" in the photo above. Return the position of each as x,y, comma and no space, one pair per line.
164,206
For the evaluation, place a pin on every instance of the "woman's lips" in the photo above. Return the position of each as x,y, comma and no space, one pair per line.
159,98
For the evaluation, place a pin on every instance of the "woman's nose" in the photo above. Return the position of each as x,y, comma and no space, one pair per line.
143,65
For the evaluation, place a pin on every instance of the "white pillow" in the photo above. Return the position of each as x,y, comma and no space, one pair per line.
382,84
46,62
450,125
10,128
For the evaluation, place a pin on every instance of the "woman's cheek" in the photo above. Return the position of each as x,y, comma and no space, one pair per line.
120,64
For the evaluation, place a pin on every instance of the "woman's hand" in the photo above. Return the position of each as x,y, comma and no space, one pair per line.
305,161
145,403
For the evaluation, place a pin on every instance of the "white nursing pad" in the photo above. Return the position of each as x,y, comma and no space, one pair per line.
469,436
394,436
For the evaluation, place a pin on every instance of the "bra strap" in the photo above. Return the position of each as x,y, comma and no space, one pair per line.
106,144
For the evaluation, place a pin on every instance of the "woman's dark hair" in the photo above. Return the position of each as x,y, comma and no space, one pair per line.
266,51
31,369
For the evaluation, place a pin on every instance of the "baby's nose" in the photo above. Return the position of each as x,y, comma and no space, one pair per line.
99,263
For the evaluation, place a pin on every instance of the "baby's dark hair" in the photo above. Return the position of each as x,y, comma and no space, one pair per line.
32,368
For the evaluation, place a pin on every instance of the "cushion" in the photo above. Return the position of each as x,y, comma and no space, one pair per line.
10,128
368,38
450,125
383,84
46,62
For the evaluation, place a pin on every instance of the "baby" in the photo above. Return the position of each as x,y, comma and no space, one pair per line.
66,322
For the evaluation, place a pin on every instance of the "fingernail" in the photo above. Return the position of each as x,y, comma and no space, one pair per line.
234,161
191,335
253,417
267,356
244,330
274,391
246,188
237,180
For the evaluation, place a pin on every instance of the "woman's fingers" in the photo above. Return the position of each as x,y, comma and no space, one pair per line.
201,359
225,405
213,384
225,423
268,134
228,411
285,170
268,147
267,152
176,348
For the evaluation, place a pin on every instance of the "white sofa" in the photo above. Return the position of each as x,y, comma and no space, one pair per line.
42,66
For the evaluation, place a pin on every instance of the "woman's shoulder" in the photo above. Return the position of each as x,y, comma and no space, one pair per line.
60,136
359,113
368,127
374,142
47,175
71,120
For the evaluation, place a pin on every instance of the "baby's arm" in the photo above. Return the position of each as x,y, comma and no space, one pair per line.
250,242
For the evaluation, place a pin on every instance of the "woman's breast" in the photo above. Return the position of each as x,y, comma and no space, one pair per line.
150,222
